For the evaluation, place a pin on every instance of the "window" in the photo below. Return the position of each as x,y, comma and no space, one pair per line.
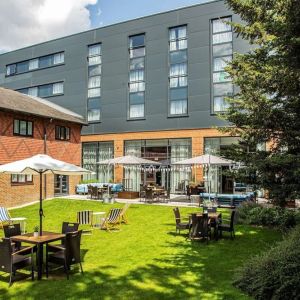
45,90
62,133
178,58
221,56
94,83
20,178
35,64
22,127
136,84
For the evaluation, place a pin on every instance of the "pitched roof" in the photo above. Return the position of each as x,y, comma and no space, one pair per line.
15,101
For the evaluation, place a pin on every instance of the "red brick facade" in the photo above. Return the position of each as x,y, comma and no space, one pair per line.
14,147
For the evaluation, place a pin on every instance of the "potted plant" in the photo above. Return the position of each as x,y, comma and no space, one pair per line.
36,231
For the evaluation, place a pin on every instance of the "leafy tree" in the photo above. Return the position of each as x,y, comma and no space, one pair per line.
266,108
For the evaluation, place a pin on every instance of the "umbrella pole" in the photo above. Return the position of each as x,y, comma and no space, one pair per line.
41,207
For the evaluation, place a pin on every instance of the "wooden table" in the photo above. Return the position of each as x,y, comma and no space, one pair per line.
212,217
45,238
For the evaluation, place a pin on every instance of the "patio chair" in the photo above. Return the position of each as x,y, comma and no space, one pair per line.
123,214
200,228
12,230
228,227
113,220
149,195
180,225
66,228
5,218
11,261
142,192
85,217
66,256
95,194
165,196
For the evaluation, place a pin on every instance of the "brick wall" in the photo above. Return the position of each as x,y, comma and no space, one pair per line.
13,148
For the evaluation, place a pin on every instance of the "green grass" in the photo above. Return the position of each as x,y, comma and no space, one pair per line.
144,260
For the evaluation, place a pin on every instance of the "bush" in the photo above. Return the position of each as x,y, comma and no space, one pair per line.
276,273
88,181
255,214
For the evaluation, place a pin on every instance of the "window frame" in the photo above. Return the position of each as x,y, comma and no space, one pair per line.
18,182
35,69
213,112
88,96
41,85
137,81
59,137
18,133
178,76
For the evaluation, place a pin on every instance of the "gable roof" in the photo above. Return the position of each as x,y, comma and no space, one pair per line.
15,101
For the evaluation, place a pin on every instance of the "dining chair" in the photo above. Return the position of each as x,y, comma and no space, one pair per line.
11,261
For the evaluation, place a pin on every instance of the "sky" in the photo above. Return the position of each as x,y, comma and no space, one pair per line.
27,22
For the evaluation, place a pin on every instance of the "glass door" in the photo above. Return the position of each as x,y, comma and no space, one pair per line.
61,185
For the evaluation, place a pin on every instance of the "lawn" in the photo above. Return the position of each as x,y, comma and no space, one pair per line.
144,260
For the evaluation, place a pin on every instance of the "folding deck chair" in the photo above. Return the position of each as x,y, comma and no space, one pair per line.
85,217
123,214
113,220
5,219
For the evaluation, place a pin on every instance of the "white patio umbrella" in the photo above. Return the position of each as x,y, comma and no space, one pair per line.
129,160
206,160
42,164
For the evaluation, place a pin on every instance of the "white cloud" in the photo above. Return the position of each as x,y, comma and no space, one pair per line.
26,22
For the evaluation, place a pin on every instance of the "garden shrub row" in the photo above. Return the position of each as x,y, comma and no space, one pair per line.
254,214
275,274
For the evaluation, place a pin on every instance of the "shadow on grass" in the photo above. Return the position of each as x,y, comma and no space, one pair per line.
197,271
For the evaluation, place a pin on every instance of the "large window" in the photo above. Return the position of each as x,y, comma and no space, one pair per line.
136,84
221,55
35,64
93,153
45,90
166,151
23,128
94,83
178,57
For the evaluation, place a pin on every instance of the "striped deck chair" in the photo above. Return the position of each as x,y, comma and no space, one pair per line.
113,220
4,217
85,217
123,214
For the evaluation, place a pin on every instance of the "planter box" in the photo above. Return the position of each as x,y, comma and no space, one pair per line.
128,195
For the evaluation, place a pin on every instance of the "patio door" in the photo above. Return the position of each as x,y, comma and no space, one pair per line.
61,185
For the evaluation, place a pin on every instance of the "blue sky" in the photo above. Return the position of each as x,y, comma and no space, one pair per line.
115,11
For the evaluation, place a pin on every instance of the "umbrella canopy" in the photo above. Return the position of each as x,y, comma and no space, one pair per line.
206,160
128,160
42,164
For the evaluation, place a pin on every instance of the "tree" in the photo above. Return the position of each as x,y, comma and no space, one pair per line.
266,108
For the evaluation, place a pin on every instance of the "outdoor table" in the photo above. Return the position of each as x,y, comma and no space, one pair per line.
40,240
212,217
97,218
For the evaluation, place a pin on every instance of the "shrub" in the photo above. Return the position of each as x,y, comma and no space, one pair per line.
255,214
276,273
88,181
